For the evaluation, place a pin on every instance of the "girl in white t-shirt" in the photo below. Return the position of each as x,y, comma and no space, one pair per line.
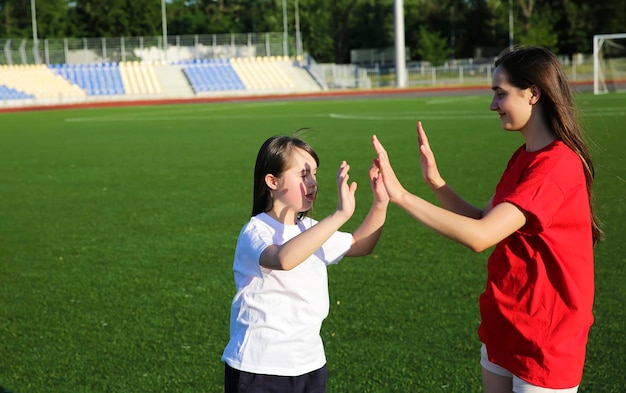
280,270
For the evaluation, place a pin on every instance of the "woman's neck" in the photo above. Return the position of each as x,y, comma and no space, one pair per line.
537,134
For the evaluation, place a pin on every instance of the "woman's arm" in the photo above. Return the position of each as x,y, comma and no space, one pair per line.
476,233
446,196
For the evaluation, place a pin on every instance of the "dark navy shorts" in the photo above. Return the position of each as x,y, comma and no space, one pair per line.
236,381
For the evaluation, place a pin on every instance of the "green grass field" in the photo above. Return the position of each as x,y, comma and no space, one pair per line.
118,226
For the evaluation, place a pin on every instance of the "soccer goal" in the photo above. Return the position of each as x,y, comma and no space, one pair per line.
609,63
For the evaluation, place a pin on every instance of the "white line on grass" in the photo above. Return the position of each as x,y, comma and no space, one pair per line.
448,100
162,113
608,111
463,115
140,118
410,116
207,113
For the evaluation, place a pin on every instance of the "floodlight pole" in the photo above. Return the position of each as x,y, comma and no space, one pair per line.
399,40
511,31
164,23
298,34
285,33
33,13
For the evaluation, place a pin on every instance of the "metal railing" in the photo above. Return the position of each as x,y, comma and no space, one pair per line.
116,49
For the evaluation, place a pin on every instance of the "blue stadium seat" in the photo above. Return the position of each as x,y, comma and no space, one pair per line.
9,93
212,75
96,79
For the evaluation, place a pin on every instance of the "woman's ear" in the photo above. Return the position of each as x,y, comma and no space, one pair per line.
271,181
535,94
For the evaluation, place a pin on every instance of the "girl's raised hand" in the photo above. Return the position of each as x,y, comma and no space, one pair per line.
378,187
346,202
392,184
430,173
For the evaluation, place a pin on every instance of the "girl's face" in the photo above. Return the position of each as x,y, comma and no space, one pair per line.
514,105
294,191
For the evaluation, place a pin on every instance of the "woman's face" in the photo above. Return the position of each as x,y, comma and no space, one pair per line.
514,105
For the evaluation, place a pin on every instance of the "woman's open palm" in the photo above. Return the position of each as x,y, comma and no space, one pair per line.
392,184
430,173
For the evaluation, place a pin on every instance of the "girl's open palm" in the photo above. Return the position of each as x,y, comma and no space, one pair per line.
346,203
430,173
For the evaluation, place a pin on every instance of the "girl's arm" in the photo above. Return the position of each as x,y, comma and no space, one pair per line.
477,234
367,234
298,249
448,198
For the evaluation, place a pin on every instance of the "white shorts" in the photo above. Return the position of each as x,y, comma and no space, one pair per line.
519,385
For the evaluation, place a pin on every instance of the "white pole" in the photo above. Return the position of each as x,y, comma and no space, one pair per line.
400,50
285,33
33,13
298,34
511,31
597,43
164,23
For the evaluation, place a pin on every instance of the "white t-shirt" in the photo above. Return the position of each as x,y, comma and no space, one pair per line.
276,315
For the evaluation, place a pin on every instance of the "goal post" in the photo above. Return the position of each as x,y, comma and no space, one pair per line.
609,61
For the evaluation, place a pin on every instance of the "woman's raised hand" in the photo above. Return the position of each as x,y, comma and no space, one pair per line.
379,191
430,173
395,190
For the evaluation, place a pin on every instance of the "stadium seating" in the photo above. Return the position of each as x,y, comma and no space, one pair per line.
38,81
139,78
211,75
101,79
95,79
9,93
263,73
131,79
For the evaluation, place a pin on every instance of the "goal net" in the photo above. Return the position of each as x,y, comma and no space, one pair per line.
609,63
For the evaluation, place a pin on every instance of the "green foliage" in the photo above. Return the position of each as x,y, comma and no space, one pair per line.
573,27
432,47
117,18
330,28
540,30
118,227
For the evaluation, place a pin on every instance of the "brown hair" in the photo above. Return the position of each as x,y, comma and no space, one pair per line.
532,65
273,158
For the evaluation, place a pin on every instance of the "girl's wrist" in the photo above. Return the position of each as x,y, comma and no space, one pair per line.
380,204
341,215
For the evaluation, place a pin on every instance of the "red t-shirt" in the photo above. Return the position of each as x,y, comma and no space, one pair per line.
536,308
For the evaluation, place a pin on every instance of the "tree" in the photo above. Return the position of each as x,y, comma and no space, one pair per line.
332,28
433,47
372,26
538,30
573,27
52,19
15,18
485,28
117,18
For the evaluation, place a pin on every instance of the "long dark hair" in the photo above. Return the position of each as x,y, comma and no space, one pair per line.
274,158
532,65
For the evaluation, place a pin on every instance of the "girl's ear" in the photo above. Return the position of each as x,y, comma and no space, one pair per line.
271,181
535,94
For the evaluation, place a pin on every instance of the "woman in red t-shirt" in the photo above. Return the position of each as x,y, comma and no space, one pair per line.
536,310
